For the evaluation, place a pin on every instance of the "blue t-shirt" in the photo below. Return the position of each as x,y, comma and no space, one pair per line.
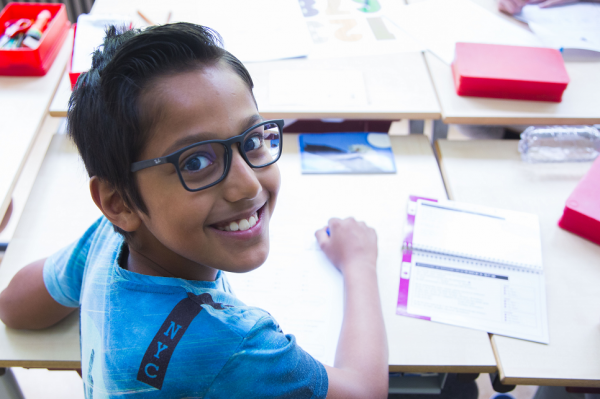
160,337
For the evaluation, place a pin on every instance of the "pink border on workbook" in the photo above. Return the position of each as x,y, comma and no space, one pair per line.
407,257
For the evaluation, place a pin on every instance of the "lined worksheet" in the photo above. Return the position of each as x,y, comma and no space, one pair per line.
474,266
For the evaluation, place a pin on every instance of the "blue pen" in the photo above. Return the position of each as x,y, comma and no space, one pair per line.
328,232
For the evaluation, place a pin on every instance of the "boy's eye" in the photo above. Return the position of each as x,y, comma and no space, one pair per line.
196,162
253,143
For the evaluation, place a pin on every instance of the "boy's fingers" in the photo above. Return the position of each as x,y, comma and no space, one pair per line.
322,236
334,222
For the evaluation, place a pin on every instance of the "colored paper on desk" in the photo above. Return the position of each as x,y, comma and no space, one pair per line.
331,153
439,24
473,266
513,72
351,28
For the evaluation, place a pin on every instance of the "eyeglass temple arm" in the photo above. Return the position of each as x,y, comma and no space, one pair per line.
147,163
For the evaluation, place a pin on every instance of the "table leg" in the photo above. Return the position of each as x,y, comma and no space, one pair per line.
498,385
440,130
407,383
416,126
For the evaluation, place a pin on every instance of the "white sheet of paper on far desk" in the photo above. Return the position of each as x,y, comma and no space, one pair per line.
573,26
440,24
90,35
329,89
258,30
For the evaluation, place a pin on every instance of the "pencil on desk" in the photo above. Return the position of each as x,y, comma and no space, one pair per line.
148,21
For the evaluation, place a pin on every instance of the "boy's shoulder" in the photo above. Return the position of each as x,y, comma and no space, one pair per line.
178,337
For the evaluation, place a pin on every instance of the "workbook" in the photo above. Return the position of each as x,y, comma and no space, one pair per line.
473,266
346,153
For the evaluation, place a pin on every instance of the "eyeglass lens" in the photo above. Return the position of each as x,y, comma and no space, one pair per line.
204,164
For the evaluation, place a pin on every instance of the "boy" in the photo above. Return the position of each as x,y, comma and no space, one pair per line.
183,168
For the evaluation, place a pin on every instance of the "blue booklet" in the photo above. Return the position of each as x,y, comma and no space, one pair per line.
346,153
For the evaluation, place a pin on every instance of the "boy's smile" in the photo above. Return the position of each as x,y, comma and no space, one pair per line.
193,234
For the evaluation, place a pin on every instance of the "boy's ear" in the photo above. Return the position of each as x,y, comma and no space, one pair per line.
112,205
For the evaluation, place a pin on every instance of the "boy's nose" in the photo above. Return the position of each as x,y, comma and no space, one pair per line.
241,181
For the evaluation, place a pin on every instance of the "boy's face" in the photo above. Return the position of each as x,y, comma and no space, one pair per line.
185,231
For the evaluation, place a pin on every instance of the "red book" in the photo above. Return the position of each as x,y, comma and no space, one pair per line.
582,211
519,73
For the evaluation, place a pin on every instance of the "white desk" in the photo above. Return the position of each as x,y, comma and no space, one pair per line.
23,106
491,173
580,104
60,209
397,87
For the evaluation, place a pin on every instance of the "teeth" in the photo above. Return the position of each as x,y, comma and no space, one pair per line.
241,225
244,225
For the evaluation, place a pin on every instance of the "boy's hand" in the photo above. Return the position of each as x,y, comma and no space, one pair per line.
515,6
512,6
361,359
350,244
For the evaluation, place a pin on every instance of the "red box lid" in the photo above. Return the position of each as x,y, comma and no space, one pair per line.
493,61
498,71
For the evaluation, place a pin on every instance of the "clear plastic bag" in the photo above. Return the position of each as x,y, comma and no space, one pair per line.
559,144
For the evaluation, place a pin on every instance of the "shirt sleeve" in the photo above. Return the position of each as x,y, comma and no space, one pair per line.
63,271
269,364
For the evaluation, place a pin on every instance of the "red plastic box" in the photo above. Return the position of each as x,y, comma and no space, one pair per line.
582,211
513,72
73,76
25,61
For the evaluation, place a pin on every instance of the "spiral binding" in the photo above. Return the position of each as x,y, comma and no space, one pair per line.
428,248
475,261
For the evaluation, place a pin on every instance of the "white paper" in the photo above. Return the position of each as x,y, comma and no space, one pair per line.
439,24
258,30
575,26
478,232
331,89
470,294
299,287
91,30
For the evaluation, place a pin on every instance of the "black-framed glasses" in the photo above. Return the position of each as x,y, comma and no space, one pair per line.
204,164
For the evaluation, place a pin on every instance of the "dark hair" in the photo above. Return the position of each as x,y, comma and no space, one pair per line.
106,119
